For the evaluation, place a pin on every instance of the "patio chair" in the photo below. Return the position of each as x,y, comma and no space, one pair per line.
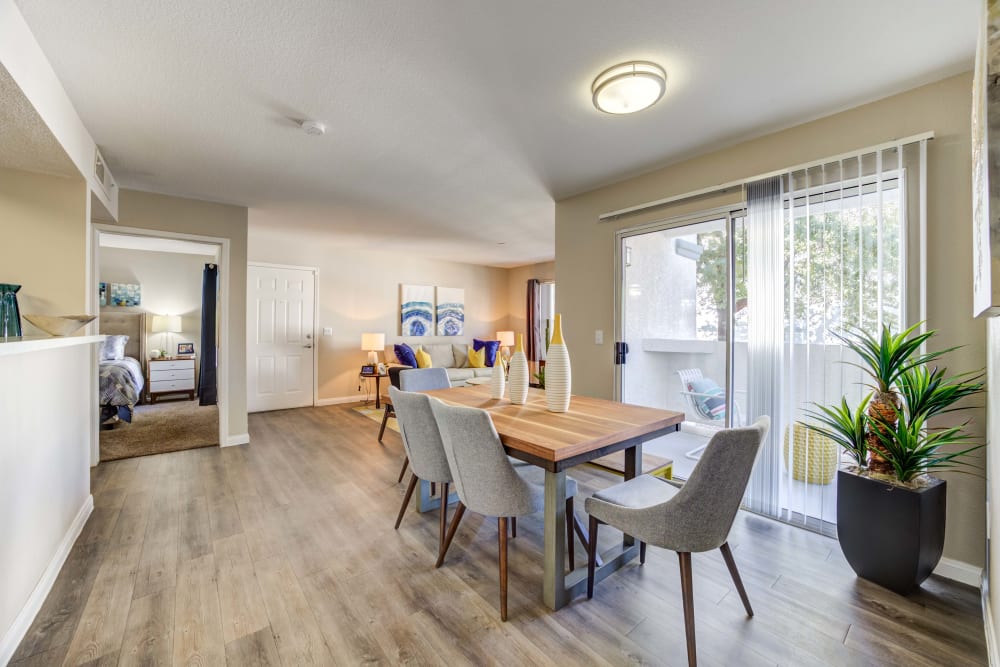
706,402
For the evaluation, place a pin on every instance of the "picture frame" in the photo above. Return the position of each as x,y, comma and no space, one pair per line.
185,348
368,369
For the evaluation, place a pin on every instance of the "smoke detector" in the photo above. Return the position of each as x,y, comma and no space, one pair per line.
313,128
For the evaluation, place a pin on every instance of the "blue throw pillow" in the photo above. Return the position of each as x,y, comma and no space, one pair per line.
405,354
492,346
710,399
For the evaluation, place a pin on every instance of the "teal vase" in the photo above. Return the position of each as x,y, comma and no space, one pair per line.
10,314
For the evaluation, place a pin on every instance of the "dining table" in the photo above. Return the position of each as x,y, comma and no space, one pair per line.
557,441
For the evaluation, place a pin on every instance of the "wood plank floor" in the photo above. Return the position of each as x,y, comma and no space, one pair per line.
283,552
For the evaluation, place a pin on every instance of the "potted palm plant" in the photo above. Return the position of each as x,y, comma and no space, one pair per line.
890,508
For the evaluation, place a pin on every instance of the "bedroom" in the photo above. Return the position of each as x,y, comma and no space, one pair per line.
157,384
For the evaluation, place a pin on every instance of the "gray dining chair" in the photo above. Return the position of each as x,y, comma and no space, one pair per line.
387,411
424,451
420,379
489,484
697,517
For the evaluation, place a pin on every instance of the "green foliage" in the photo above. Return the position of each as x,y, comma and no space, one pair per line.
845,427
911,445
886,358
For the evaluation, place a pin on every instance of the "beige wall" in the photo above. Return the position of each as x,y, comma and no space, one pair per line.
359,292
171,285
585,252
147,210
993,475
43,237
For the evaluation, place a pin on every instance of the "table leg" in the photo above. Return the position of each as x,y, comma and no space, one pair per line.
554,578
377,392
633,467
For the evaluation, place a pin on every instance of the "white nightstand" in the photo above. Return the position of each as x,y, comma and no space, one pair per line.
171,376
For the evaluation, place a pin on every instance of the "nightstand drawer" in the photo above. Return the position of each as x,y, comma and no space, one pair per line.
161,386
173,364
156,375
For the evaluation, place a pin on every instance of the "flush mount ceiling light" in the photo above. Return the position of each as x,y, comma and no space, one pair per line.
629,87
313,127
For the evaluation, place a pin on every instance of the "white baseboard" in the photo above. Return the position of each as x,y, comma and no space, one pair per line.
339,400
12,638
991,638
240,439
963,573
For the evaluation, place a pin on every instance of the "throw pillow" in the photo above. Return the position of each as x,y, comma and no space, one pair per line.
423,359
461,354
491,347
113,348
405,355
710,399
477,359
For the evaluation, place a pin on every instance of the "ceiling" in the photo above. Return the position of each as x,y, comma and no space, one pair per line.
452,127
26,143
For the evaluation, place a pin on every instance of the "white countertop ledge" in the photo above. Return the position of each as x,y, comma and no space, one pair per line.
12,346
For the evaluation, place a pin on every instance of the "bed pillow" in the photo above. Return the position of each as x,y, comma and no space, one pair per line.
710,399
113,348
491,347
405,354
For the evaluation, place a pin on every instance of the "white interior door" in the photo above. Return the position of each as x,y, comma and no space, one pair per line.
280,343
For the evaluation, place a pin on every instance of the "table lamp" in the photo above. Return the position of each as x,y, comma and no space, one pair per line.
373,342
167,324
506,339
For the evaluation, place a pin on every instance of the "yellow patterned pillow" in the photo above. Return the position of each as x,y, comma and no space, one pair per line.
423,359
477,359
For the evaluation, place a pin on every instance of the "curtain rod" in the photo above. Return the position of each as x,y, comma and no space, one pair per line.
723,188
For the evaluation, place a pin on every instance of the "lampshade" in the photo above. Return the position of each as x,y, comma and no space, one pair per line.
629,87
506,338
167,324
372,342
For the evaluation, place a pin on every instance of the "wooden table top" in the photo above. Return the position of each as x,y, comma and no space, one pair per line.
590,426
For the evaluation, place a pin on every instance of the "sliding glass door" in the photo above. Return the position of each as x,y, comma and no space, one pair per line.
735,314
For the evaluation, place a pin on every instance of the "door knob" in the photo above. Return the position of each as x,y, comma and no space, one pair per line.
308,347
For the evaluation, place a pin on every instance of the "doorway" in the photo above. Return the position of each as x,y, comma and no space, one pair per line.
281,337
157,303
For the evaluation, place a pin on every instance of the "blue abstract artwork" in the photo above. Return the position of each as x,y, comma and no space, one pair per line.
416,310
450,311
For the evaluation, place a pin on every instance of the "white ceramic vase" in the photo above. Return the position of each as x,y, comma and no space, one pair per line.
498,382
518,374
558,375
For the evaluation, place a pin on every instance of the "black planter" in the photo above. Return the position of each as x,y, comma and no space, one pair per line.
890,535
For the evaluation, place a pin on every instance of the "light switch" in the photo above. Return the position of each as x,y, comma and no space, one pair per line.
327,331
599,337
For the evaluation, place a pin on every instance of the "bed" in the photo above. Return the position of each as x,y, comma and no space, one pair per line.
121,380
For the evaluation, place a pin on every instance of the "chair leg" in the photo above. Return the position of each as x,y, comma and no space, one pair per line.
592,556
406,499
502,532
444,517
731,564
402,471
581,532
570,541
455,520
385,420
642,553
513,527
687,592
434,488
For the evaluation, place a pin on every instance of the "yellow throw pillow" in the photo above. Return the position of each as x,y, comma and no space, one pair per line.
477,359
423,359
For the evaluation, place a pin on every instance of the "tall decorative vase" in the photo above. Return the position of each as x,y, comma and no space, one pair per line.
498,382
558,376
518,374
10,314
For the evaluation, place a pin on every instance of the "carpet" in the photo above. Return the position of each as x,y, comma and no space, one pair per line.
163,427
376,416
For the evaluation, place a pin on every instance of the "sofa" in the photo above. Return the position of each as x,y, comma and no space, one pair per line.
451,356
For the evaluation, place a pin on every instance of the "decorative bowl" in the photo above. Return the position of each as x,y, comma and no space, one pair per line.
60,325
